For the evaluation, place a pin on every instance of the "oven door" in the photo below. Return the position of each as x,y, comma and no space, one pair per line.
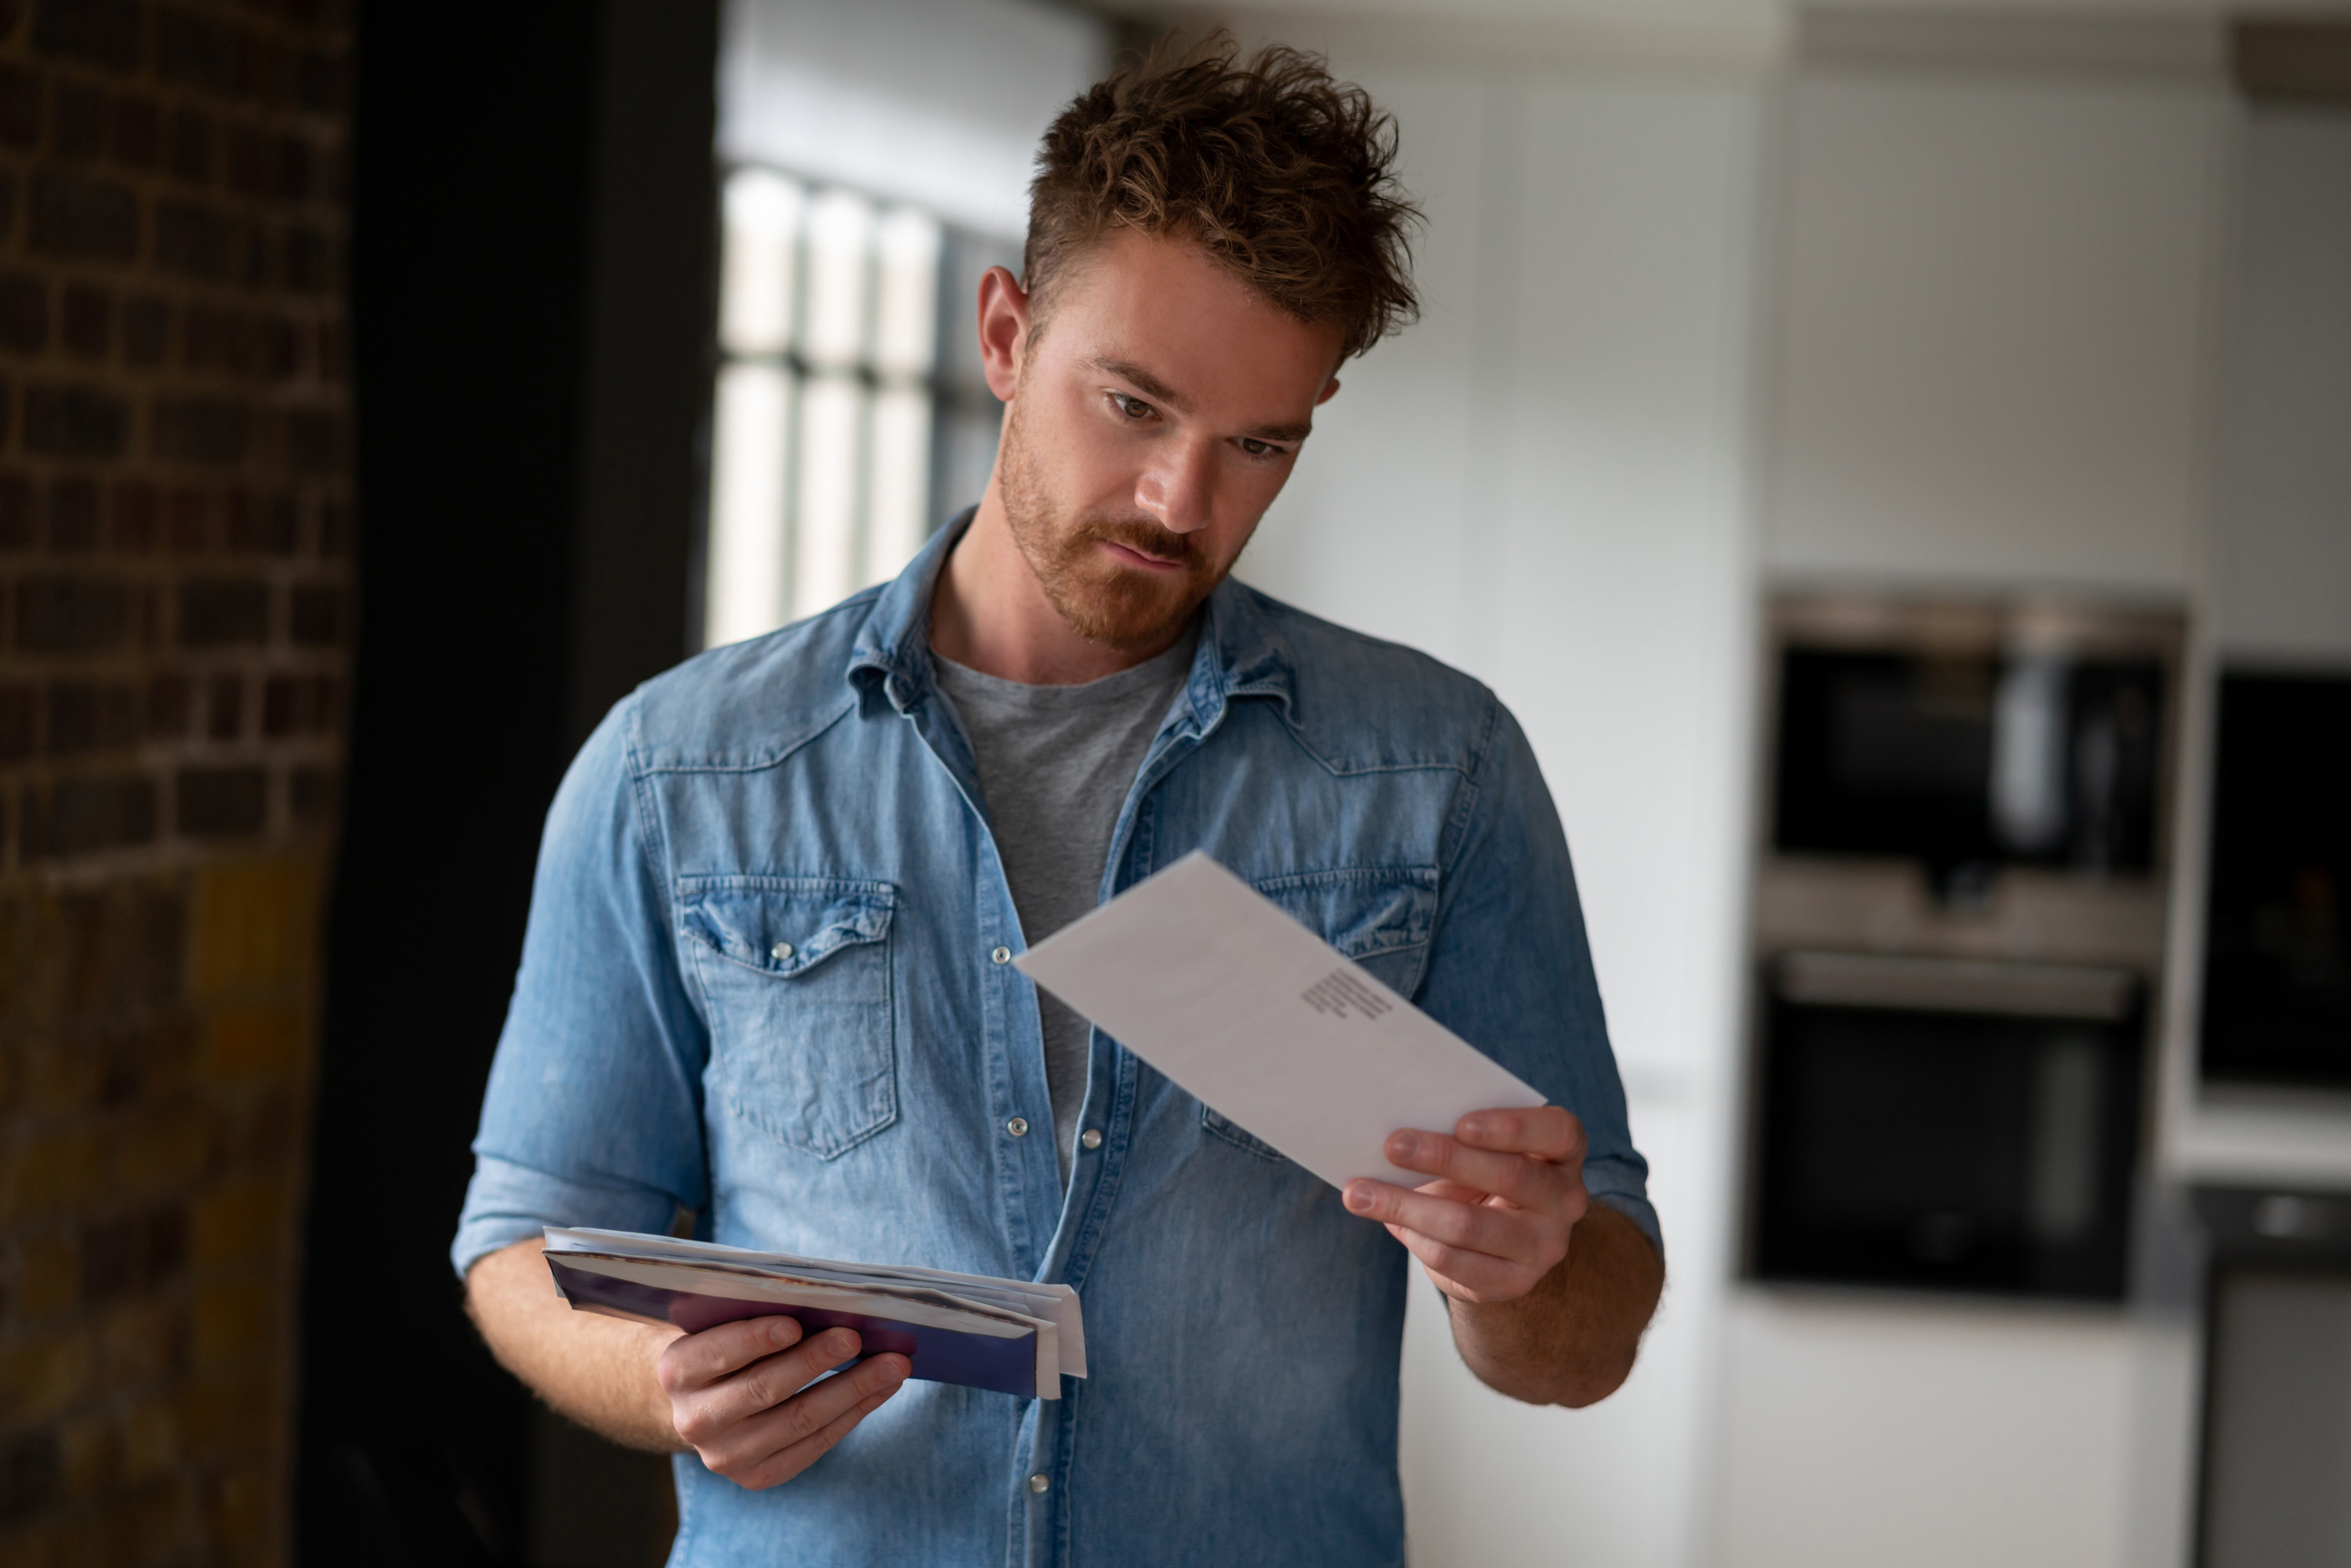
1948,1125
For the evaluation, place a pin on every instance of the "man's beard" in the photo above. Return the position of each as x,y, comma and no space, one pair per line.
1134,608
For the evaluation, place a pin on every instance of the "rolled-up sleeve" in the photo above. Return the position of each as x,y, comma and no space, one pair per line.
1510,968
593,1112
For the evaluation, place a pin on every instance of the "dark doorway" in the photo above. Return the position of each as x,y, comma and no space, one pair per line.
529,274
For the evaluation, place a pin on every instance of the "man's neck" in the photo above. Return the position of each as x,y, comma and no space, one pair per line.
990,613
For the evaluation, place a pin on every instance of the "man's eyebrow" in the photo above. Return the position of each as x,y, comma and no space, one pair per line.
1160,391
1128,371
1280,432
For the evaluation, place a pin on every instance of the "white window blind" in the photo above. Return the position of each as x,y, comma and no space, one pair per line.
822,450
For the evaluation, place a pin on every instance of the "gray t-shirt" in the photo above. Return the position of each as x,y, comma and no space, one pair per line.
1055,766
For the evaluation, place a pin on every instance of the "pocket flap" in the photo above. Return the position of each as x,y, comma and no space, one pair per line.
786,926
1364,913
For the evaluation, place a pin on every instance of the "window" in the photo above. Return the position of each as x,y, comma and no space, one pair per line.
840,429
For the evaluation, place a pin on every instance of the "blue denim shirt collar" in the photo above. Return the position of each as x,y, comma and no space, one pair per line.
1241,653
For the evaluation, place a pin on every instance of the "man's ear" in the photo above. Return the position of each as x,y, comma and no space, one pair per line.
1328,389
1003,331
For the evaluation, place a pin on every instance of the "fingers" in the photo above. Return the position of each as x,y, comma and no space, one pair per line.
697,1360
702,1413
1528,1181
1470,1227
786,1463
1546,1132
1478,1246
1471,1276
781,1442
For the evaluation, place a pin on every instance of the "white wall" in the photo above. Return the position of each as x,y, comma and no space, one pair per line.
1862,1434
1543,483
2281,556
1992,308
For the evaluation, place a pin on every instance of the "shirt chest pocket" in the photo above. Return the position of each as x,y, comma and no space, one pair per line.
795,976
1380,918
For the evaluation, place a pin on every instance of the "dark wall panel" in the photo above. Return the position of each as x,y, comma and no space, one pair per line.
529,274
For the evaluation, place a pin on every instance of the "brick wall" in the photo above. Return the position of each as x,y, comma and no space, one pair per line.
175,613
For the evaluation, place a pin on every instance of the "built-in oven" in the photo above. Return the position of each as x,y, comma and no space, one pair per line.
1957,933
2277,922
1966,745
1948,1124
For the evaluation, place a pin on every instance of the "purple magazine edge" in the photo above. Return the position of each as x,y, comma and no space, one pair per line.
937,1355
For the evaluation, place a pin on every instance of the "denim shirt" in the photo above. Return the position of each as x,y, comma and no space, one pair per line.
765,980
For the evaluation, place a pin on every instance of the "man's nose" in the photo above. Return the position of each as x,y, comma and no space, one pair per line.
1179,488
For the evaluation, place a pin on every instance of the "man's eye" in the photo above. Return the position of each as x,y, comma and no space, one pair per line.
1255,447
1132,407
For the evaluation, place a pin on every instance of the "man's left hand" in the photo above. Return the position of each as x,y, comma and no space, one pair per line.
1508,1192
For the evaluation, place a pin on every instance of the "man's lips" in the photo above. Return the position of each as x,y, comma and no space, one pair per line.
1141,559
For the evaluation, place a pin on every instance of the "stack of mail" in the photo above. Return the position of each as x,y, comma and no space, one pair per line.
1005,1334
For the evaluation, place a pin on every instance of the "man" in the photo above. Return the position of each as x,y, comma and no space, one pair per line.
768,976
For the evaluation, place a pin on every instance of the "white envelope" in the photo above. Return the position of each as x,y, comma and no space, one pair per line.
1208,981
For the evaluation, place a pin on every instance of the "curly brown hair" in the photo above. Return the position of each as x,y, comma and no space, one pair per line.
1283,173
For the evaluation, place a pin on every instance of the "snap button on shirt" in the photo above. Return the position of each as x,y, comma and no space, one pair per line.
1090,1138
1017,1126
1039,1481
780,951
1002,955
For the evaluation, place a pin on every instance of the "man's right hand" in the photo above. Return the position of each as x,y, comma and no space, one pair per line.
737,1395
740,1396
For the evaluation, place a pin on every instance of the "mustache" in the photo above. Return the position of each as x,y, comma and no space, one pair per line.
1145,535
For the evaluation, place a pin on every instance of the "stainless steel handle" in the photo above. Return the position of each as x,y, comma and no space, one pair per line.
2094,993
